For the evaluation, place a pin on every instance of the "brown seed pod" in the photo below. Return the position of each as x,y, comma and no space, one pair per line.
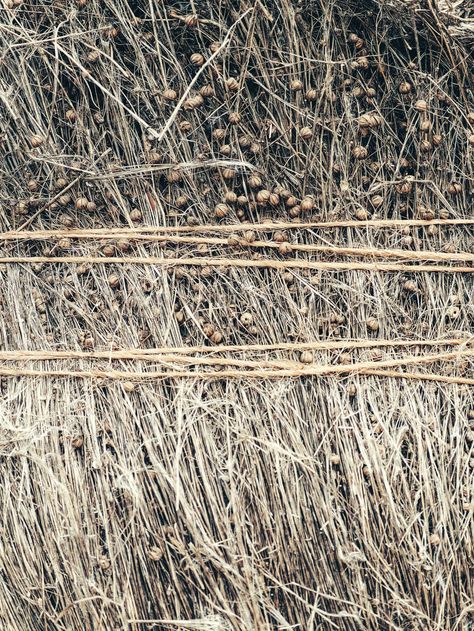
296,85
263,196
182,201
284,249
311,95
206,91
306,133
193,103
232,84
129,386
246,319
291,201
234,118
245,141
280,236
345,358
470,140
136,214
228,174
113,280
307,204
405,187
425,146
437,140
425,126
377,201
81,203
405,87
295,212
65,199
61,182
306,357
255,148
108,250
36,140
454,188
77,442
274,199
372,324
217,337
197,59
185,126
219,133
361,214
170,95
369,121
155,157
93,56
255,181
425,213
421,106
191,20
226,150
359,152
70,115
174,176
221,210
214,46
231,197
111,31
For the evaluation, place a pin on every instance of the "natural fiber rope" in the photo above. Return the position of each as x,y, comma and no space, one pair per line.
269,225
266,373
420,376
150,354
227,262
411,255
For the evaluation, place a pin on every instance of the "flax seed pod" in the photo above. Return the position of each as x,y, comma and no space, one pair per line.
255,181
263,197
221,210
421,106
405,87
274,199
232,84
197,59
296,85
36,140
206,91
170,95
306,133
359,152
307,204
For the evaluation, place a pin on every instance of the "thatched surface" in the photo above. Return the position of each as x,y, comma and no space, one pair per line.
251,416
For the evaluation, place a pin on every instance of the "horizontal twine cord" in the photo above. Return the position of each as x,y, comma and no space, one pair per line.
296,247
258,373
150,354
268,225
228,262
420,376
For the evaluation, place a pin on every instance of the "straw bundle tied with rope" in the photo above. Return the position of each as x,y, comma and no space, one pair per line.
236,315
